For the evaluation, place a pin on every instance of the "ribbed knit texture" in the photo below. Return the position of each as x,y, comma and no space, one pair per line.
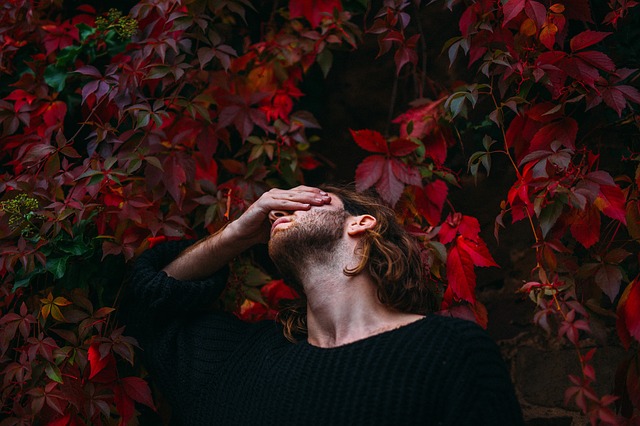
217,370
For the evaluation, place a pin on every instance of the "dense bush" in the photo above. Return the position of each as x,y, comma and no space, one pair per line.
122,129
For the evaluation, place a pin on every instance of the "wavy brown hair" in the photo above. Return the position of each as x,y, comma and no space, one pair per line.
388,254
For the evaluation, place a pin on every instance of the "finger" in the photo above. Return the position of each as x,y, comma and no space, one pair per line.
311,196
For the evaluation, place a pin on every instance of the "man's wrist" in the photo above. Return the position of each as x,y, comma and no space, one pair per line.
233,235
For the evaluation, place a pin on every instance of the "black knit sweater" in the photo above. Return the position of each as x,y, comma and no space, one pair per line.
217,370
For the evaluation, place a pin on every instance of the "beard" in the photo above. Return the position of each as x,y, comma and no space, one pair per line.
309,240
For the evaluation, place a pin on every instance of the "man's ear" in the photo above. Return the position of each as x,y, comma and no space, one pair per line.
357,225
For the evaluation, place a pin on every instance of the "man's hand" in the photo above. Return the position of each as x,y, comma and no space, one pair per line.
210,254
254,225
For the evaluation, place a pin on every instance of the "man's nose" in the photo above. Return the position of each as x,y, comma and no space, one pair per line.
276,214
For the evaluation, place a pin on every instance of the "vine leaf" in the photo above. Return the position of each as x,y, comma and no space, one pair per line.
460,274
387,172
313,10
628,323
585,226
430,199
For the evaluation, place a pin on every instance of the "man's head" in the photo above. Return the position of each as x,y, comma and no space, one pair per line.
305,237
385,250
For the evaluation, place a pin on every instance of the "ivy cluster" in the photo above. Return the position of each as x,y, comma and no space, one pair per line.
124,26
20,209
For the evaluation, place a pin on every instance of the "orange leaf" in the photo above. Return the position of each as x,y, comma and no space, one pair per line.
548,35
556,8
528,27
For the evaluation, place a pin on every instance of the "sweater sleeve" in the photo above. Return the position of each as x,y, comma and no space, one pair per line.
155,290
184,342
481,390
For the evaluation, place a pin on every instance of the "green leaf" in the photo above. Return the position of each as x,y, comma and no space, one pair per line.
325,60
253,293
22,282
85,31
76,248
158,71
53,372
67,56
154,162
549,216
55,77
57,266
255,277
95,179
455,103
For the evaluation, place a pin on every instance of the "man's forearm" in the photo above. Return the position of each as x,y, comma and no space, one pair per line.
208,255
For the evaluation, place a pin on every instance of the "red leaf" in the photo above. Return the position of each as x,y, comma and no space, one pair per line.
62,421
59,36
455,224
406,174
124,404
563,131
370,140
430,200
586,39
95,361
585,226
544,112
628,323
469,227
550,58
37,152
89,70
537,12
475,313
138,390
615,99
54,113
611,202
608,278
447,232
313,10
275,291
404,55
467,20
477,251
436,145
401,147
389,187
511,9
423,119
580,70
629,92
597,59
369,172
460,274
251,311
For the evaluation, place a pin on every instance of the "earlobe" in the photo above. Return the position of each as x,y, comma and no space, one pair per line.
360,224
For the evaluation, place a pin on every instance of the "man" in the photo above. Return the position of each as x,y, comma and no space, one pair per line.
359,348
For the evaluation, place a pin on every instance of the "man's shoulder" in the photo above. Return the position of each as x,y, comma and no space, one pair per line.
445,322
451,333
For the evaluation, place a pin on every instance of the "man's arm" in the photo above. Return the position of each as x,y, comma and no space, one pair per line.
210,254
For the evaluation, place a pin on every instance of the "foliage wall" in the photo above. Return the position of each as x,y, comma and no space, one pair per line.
121,129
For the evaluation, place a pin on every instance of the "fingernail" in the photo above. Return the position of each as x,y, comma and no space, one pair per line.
323,193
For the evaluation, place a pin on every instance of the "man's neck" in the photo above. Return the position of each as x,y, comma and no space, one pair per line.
342,309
